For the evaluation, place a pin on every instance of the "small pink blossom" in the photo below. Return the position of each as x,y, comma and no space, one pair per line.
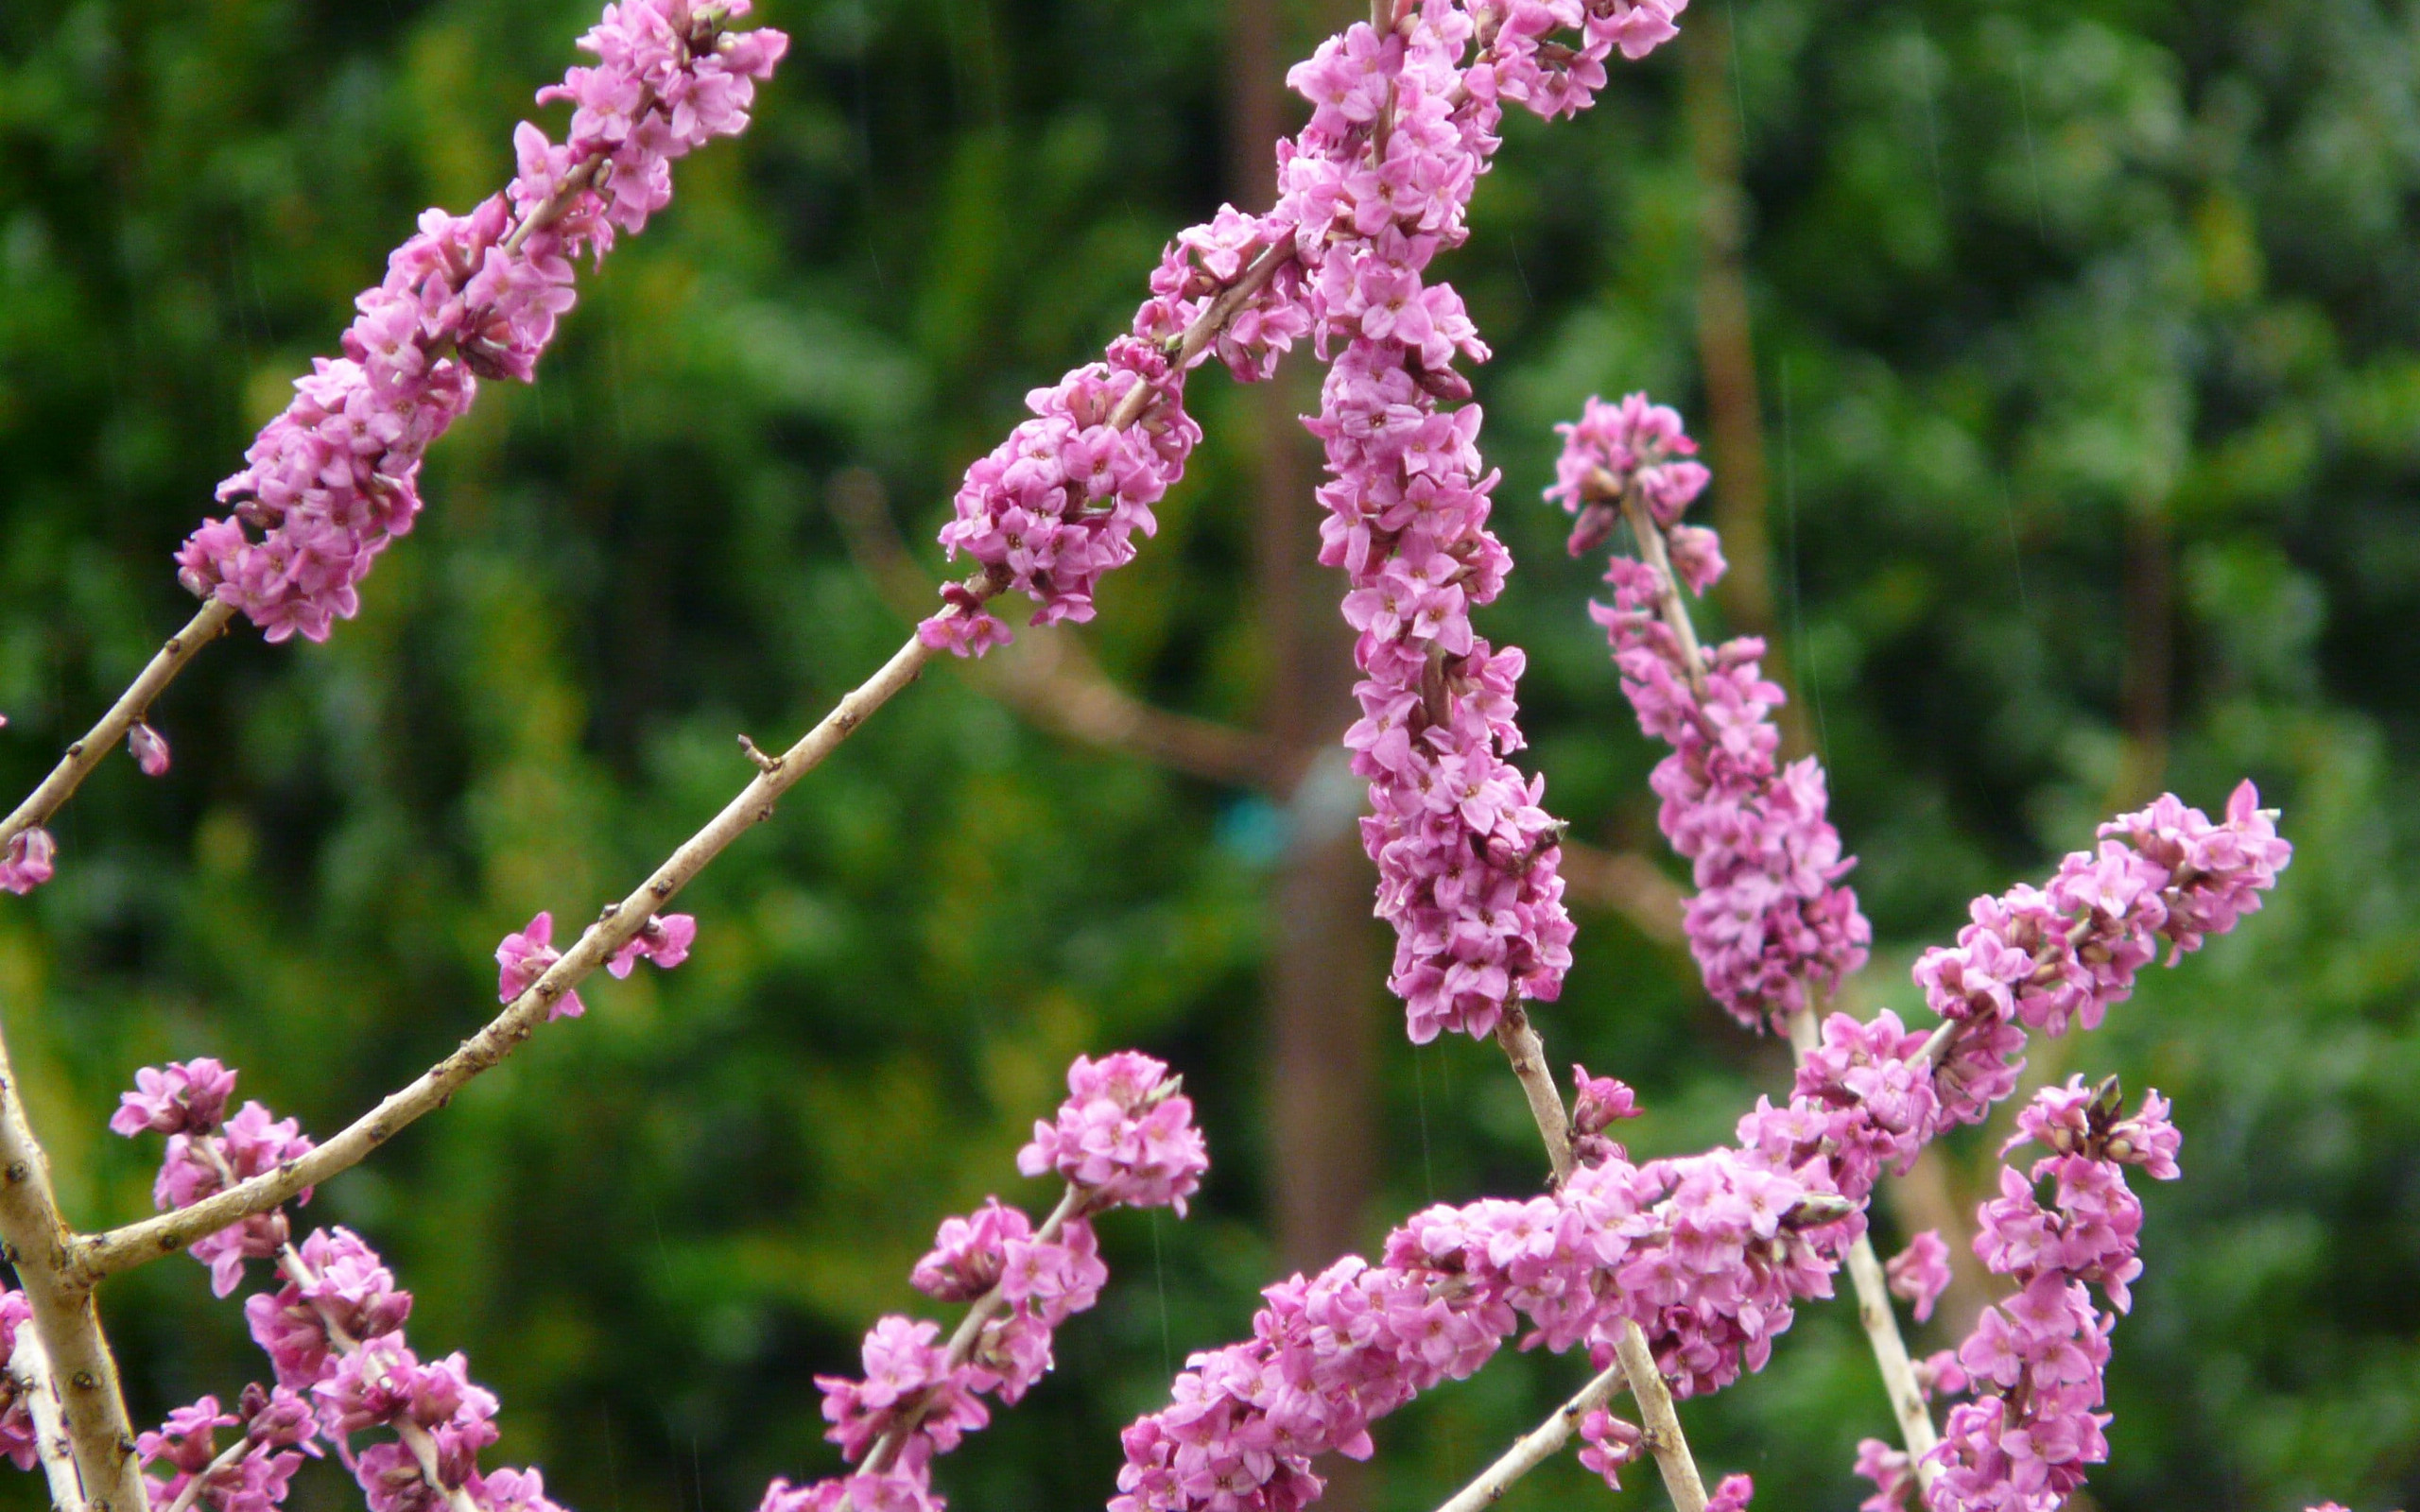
663,939
181,1097
1920,1273
528,954
149,747
28,860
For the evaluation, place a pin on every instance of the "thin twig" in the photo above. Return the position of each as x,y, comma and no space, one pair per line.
31,1369
134,704
1661,1424
91,1257
92,1404
1535,1447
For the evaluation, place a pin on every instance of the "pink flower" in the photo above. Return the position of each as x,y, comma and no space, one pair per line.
528,954
1608,1443
969,1253
28,860
1124,1136
663,939
149,747
1920,1273
178,1098
1731,1495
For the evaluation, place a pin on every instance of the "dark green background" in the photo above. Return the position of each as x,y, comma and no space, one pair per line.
2029,283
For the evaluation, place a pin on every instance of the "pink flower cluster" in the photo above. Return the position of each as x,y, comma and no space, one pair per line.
17,1438
1771,926
332,1329
2043,957
1373,187
1123,1137
277,1430
526,954
209,1152
1403,123
1708,1255
1057,504
2035,1363
332,480
28,860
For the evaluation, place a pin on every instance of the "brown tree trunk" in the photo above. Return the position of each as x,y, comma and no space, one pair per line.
1727,352
1323,985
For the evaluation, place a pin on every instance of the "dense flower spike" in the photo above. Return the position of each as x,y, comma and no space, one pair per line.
332,1331
1771,926
1373,187
332,481
2035,1362
1124,1138
1403,123
2043,957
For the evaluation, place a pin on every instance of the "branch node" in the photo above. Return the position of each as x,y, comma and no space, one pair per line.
764,764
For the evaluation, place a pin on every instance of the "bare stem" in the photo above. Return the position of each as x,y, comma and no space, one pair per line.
92,1405
1526,1053
103,1254
134,704
31,1369
1662,1424
1535,1447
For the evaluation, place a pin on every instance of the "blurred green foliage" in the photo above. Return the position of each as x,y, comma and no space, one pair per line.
2028,283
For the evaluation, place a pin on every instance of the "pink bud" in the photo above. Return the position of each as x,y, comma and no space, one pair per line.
149,750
